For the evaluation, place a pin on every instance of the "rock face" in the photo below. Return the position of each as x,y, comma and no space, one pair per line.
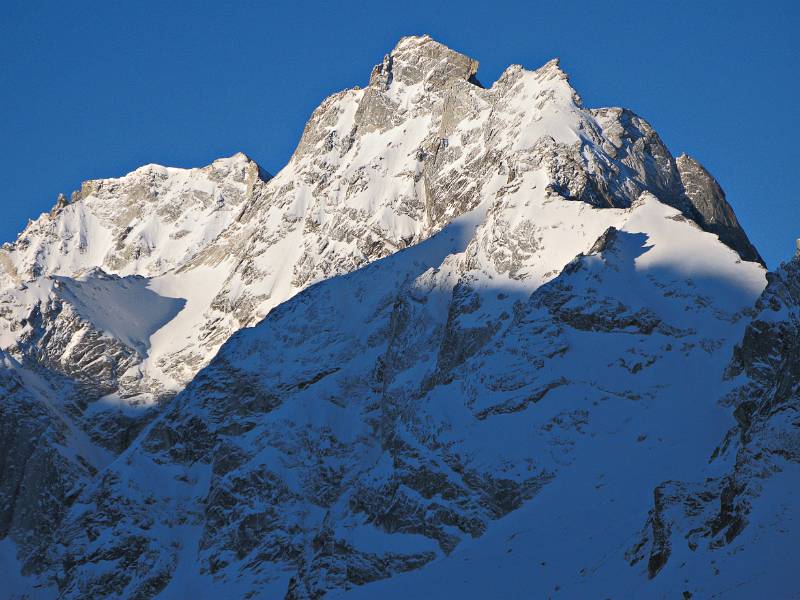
38,478
448,329
713,212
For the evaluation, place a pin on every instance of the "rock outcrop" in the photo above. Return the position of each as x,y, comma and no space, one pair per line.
711,210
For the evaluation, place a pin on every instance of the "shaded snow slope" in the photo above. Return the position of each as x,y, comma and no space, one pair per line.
378,421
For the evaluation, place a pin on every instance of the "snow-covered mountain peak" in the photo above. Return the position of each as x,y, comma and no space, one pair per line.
550,71
421,59
147,222
376,170
382,355
220,167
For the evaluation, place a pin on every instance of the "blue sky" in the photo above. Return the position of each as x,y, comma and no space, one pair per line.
95,89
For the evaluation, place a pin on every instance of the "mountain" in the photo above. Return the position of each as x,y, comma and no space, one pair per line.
477,342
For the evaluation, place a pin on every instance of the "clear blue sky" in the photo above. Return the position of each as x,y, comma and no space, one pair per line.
95,89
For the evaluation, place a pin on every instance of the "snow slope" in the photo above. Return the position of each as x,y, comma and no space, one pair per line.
379,420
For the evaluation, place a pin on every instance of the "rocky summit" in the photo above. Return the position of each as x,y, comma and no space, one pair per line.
470,342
